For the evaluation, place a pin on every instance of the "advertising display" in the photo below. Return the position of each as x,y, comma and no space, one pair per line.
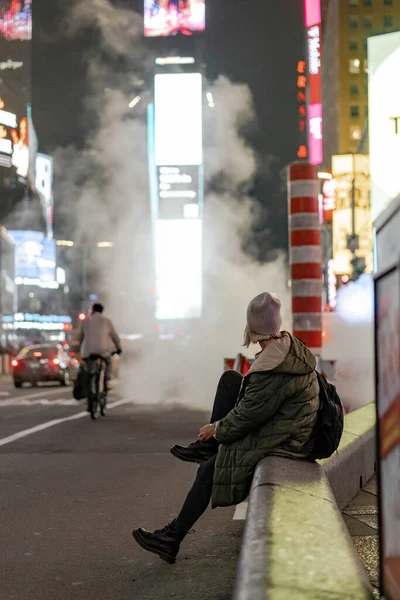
44,185
16,19
173,17
384,119
15,84
178,269
312,10
176,191
14,141
35,258
387,343
178,119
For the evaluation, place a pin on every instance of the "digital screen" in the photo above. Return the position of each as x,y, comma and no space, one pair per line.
14,139
178,269
178,119
15,84
16,19
384,119
35,256
173,17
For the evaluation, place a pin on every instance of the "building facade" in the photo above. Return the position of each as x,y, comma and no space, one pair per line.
347,24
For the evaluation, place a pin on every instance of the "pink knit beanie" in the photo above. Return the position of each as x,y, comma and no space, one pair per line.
263,317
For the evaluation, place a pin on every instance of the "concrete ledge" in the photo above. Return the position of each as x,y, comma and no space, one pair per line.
295,543
354,464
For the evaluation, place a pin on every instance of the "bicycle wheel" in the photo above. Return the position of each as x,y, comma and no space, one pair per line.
103,403
93,394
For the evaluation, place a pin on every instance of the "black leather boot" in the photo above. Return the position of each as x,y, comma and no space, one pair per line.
164,542
198,452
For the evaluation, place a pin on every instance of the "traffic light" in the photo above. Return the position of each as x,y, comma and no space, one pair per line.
359,266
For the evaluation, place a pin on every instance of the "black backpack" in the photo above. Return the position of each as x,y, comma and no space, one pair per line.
81,385
330,420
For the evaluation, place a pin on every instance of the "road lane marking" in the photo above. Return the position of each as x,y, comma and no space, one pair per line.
241,512
4,393
42,394
42,402
21,434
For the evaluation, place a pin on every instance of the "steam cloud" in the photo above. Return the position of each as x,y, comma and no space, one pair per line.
108,184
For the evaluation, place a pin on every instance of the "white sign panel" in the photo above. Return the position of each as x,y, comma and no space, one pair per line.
178,119
179,269
384,119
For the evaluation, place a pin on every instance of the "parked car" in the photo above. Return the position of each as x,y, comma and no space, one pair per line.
44,362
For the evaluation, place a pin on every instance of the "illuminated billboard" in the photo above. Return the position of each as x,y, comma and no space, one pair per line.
178,119
312,11
384,119
178,269
15,85
172,17
14,141
16,19
35,258
175,147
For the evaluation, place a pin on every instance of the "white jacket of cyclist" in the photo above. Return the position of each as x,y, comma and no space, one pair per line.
98,336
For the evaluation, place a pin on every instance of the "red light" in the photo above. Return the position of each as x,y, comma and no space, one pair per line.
82,317
301,66
345,279
302,152
14,363
56,361
301,81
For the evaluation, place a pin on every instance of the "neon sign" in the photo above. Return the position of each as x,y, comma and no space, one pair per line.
302,150
313,24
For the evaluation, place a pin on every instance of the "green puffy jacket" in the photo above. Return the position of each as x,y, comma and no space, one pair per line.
275,414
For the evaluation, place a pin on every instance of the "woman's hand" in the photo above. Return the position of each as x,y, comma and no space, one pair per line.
206,433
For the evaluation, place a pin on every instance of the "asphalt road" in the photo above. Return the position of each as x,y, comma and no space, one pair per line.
71,493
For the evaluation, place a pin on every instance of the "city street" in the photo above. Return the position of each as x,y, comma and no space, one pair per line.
72,490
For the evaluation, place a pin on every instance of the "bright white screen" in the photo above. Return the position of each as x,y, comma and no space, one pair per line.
178,269
384,108
178,119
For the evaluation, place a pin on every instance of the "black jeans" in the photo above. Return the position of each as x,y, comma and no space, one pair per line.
199,496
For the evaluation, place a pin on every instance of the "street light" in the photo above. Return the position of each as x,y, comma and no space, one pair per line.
134,102
67,243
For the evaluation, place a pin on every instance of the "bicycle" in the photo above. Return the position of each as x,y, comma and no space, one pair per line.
97,392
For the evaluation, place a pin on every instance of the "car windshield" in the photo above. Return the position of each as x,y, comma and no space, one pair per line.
38,352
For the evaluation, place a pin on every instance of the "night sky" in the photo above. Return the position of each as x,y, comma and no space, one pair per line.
257,42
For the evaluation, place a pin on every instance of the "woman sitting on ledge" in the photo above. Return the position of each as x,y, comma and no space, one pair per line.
272,410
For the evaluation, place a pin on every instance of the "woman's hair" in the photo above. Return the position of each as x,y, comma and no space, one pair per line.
251,337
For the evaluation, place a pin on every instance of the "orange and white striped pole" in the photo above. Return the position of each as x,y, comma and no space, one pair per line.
305,254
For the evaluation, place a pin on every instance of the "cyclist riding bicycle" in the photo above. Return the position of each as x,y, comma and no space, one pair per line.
97,338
